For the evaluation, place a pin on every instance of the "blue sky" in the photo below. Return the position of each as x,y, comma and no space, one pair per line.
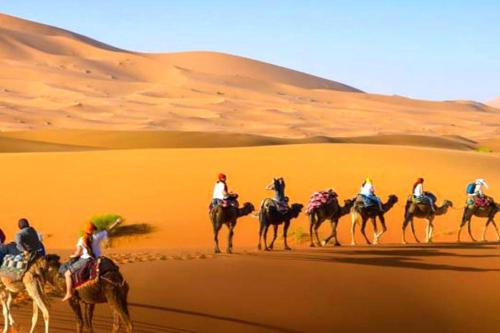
424,49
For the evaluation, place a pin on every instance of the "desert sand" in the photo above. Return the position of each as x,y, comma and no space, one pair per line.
87,128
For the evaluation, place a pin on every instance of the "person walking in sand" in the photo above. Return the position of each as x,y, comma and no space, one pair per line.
88,248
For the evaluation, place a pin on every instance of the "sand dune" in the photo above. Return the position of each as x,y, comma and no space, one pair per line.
494,103
52,78
71,140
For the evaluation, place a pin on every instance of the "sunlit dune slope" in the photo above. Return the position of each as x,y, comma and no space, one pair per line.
52,78
70,140
171,188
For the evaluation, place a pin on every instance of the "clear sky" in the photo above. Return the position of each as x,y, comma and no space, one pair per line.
431,49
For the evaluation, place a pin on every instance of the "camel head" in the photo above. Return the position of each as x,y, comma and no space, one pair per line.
52,272
295,210
247,208
391,201
448,203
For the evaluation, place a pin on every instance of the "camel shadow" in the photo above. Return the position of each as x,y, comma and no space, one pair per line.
397,257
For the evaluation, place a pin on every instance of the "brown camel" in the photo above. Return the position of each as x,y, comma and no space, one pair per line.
329,211
423,211
110,288
361,214
32,282
483,212
227,216
270,215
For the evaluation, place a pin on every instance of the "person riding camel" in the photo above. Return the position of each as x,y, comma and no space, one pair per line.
28,240
367,193
475,194
278,186
88,248
221,193
421,196
6,248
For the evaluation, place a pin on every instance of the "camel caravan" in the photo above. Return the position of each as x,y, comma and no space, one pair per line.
87,279
365,207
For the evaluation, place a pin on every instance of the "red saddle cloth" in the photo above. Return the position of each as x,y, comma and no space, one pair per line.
318,199
86,275
482,202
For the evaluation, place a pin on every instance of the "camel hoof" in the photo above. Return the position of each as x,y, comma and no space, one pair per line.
217,251
323,243
267,249
288,248
312,245
259,247
229,251
353,243
337,244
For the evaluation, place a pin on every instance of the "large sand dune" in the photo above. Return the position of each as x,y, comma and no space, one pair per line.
52,78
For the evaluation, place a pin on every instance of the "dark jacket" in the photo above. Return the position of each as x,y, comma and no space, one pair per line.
27,240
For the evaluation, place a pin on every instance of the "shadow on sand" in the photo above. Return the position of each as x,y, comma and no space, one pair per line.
408,257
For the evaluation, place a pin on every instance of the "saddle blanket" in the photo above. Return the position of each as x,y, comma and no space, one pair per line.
14,266
90,272
318,199
480,202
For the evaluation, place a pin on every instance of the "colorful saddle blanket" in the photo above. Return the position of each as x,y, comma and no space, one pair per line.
482,202
320,198
14,266
90,272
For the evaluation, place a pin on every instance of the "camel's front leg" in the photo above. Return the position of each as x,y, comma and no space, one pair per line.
275,235
89,316
375,231
34,317
431,230
230,237
332,235
354,221
384,227
483,238
116,322
316,227
363,231
217,228
496,229
405,224
266,248
77,310
285,235
5,310
469,229
312,222
34,290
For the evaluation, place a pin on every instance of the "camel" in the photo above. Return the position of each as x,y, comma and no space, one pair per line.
361,214
423,211
32,282
227,216
269,215
110,288
330,211
482,212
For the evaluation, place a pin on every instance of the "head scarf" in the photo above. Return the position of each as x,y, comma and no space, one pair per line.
481,181
419,181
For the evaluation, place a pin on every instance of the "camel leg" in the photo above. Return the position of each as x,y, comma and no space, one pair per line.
119,306
316,227
89,315
412,225
363,232
285,235
465,219
77,310
312,222
353,229
375,231
9,302
116,322
217,228
469,229
275,235
496,229
483,238
333,234
384,227
5,310
37,297
230,238
431,229
406,221
261,231
34,317
266,248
